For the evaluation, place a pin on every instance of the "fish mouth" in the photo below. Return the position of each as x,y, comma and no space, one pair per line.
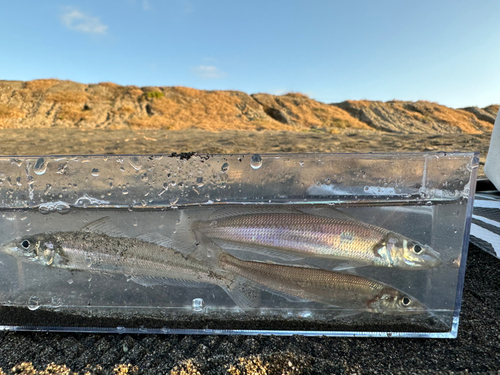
433,258
419,309
9,249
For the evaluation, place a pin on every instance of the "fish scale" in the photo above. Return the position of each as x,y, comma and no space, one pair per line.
156,260
292,234
300,233
99,252
328,287
146,262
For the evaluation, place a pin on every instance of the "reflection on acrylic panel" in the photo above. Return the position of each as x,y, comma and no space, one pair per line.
315,252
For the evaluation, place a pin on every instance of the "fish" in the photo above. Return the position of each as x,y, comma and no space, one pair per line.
151,260
99,247
291,234
348,291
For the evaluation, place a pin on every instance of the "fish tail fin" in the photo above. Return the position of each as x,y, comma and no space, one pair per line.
184,234
243,293
206,251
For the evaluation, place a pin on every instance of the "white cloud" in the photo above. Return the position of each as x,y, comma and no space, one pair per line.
146,5
75,20
209,72
187,7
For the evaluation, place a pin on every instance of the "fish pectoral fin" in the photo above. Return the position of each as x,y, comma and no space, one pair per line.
246,286
165,281
286,296
294,299
348,266
160,240
244,293
243,251
104,226
331,213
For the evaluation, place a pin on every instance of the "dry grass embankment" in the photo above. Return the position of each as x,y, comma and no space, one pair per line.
53,103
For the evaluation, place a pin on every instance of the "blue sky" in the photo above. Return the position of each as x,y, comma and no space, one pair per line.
443,51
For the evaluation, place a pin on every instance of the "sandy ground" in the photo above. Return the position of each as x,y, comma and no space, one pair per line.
475,351
74,141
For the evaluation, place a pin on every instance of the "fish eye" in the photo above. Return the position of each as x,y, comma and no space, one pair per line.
406,301
25,244
417,249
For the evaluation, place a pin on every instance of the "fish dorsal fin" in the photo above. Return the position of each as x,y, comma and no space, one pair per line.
161,240
331,213
103,226
230,211
244,293
155,280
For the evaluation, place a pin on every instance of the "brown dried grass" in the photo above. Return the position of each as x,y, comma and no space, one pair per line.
295,94
208,110
8,112
109,84
456,117
72,114
135,92
493,109
67,97
429,111
179,108
361,103
126,109
41,84
313,114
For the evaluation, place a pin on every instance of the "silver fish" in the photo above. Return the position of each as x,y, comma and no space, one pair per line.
355,293
147,263
150,260
294,235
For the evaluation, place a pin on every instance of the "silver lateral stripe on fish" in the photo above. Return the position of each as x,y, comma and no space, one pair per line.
348,291
148,260
329,234
93,252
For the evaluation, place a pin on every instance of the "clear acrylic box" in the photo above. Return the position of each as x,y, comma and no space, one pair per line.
311,244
